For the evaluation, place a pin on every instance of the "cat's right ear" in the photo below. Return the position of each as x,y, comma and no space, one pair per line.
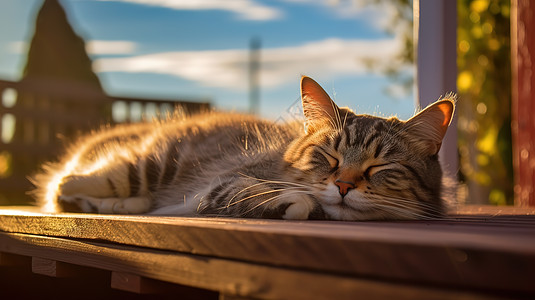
317,105
429,126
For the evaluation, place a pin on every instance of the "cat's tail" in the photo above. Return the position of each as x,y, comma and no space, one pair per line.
46,183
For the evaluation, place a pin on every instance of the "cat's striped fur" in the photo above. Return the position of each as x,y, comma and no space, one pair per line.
345,167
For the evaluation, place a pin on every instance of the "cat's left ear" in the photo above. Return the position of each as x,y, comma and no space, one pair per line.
317,105
429,126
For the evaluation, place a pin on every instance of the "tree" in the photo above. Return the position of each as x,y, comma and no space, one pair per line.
484,108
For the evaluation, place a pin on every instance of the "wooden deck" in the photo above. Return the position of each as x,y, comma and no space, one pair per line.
480,254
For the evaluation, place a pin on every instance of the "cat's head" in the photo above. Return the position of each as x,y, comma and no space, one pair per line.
362,167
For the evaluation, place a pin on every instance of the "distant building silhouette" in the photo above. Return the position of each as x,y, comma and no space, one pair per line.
56,51
58,98
56,59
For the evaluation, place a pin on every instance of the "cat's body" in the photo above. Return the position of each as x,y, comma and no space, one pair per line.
345,167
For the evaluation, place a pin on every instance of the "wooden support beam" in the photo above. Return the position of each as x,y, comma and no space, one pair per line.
231,297
129,282
13,260
133,283
53,268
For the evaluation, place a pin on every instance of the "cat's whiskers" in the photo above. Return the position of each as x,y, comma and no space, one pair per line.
410,214
222,209
260,204
230,203
276,197
273,181
407,202
401,207
263,182
400,212
406,207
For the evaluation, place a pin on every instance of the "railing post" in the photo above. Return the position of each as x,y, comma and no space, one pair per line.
435,38
523,104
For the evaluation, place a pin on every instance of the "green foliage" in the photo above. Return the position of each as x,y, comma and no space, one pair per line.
484,107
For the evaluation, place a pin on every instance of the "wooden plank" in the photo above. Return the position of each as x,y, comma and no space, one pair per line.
523,104
133,283
226,276
462,254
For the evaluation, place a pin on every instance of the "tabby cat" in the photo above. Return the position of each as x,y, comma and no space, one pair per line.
343,166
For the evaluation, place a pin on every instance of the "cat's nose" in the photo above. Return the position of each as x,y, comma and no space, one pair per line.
344,186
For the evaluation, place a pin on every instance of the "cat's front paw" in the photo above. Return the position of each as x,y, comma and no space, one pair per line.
76,204
83,203
301,208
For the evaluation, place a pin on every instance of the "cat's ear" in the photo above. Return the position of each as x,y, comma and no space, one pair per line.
317,105
429,126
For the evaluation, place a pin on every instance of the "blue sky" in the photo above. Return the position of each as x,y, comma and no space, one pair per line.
176,49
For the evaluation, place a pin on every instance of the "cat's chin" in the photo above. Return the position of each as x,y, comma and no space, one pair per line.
345,213
353,207
330,195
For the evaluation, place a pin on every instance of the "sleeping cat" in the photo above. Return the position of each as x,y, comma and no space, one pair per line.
343,166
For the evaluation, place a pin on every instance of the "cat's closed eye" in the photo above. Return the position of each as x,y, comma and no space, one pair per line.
333,160
373,169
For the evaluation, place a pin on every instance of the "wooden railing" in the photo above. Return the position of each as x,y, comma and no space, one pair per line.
480,253
37,119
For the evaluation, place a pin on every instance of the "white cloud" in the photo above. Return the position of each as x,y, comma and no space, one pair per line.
228,68
97,47
377,13
18,47
246,9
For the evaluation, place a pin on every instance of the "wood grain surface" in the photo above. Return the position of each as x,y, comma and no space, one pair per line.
490,252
